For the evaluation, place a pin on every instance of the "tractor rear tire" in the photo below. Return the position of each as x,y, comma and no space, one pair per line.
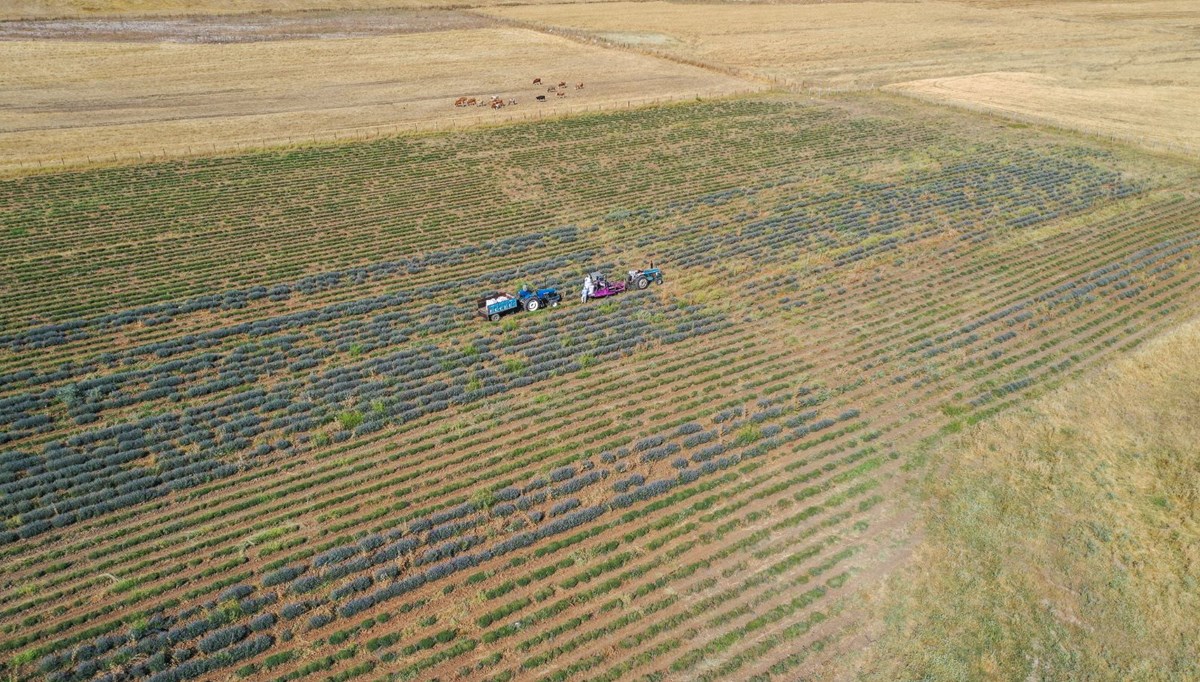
642,282
532,305
494,317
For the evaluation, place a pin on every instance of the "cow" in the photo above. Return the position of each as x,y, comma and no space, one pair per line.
550,89
460,102
497,103
541,98
537,81
512,102
579,86
561,94
563,84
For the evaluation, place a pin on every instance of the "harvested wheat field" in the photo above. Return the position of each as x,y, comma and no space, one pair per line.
75,102
1158,116
1125,69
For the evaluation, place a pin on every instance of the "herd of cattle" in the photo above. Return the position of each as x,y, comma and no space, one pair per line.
497,102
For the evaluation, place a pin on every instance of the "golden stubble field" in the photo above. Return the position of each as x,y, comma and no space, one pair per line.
1157,116
1125,69
79,102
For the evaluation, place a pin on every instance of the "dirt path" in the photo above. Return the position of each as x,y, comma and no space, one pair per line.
243,28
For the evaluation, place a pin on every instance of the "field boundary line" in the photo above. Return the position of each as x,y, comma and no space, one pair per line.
597,40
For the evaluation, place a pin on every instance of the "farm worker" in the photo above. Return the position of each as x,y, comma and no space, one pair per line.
587,287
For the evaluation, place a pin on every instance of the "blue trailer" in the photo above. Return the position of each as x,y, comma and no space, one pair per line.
496,304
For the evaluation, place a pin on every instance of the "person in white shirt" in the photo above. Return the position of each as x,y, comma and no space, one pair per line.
587,287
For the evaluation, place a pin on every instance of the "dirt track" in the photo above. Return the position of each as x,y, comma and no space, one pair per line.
248,28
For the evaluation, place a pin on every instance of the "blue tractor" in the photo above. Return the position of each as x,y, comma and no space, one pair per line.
495,305
641,279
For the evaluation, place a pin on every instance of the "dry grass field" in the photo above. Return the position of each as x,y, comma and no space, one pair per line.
75,102
1126,69
132,91
1158,116
1063,538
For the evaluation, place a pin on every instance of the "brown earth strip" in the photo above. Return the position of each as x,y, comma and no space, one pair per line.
242,28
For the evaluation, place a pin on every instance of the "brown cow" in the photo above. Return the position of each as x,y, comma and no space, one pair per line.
579,86
460,102
497,103
563,84
562,94
550,89
537,81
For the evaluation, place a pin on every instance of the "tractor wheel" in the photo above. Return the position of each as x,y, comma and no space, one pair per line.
642,282
532,305
494,317
553,304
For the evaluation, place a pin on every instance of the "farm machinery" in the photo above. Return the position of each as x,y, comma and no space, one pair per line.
602,288
643,278
495,305
498,304
638,279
